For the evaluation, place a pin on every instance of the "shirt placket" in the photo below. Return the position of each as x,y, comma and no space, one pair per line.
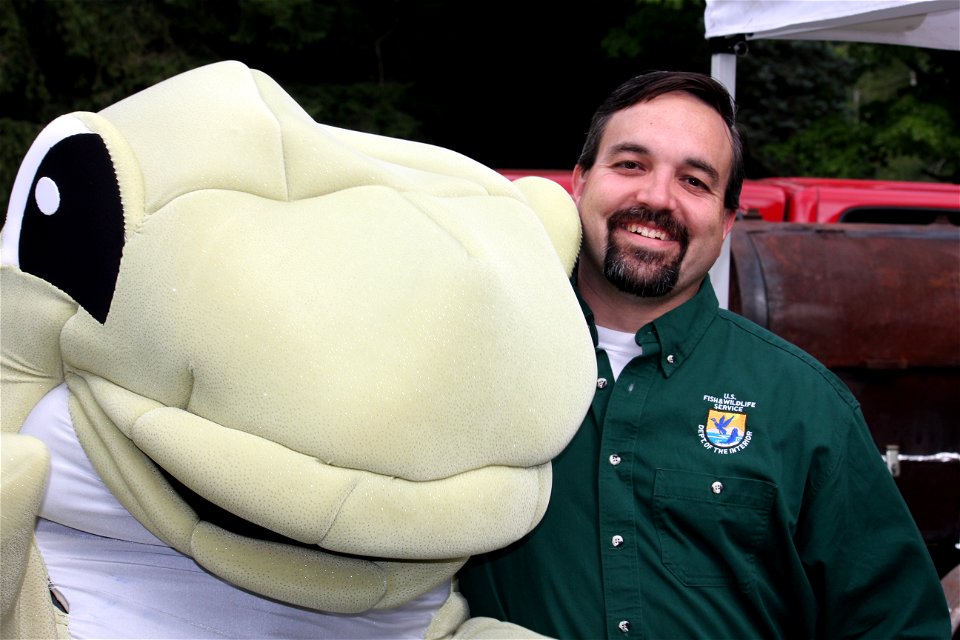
618,539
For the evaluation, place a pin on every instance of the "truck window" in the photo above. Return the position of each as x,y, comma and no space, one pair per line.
900,215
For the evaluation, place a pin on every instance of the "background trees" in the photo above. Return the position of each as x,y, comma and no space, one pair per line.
850,110
512,84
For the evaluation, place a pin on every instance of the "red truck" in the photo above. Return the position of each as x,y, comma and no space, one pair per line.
826,200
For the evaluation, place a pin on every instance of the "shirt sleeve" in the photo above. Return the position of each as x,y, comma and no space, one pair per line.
865,558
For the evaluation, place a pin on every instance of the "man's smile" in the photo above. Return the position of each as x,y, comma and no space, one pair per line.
646,231
647,228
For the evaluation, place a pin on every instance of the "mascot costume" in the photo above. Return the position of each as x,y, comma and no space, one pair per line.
263,377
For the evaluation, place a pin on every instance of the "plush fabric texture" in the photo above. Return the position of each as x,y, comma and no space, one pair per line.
25,610
365,345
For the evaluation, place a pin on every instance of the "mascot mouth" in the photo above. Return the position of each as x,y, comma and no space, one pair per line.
176,468
216,515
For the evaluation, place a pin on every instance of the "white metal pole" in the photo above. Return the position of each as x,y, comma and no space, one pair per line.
723,69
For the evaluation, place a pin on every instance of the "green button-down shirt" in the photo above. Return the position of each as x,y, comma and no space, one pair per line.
725,486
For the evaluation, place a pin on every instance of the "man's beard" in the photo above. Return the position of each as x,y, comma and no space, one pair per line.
642,273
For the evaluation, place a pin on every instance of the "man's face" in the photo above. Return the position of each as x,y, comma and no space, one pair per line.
652,204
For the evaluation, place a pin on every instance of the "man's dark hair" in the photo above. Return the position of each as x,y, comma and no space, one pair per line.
650,85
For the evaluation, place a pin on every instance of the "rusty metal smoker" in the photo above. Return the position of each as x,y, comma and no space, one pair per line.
880,306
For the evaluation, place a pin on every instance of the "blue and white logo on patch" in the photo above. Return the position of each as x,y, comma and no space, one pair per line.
725,429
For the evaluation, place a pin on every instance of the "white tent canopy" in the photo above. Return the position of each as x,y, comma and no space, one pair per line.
931,24
918,23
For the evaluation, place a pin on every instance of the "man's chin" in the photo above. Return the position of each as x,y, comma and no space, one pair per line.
645,275
645,280
655,287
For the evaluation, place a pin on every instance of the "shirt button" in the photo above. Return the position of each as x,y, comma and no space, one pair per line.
670,358
614,459
601,383
716,487
624,626
617,540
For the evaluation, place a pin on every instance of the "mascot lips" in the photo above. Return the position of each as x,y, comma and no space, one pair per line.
302,498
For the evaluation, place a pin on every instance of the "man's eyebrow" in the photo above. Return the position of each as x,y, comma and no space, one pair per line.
629,147
704,166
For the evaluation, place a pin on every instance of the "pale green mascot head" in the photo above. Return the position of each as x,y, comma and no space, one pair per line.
327,365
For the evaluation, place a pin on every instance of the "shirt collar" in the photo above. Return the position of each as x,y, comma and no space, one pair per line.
678,331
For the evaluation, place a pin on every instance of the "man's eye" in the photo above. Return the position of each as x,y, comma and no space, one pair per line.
696,183
630,165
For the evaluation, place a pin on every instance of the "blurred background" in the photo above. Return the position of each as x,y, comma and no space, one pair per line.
511,84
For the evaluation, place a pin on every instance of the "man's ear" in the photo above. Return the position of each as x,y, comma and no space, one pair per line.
579,177
729,216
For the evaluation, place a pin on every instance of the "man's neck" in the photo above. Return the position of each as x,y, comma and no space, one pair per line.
617,310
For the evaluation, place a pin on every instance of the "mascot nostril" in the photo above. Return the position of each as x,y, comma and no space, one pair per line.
299,372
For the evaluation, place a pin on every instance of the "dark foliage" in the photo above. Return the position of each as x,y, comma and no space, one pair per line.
510,84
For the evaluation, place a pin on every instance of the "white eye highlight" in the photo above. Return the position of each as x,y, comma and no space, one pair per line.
47,196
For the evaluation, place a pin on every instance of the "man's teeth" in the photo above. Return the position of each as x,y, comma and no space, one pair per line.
646,232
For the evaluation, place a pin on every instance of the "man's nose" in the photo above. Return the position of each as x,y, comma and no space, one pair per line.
656,191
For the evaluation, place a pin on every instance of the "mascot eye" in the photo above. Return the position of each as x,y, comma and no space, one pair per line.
70,215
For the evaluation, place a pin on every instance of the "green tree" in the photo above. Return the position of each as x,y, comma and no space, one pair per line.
789,95
908,105
661,34
849,110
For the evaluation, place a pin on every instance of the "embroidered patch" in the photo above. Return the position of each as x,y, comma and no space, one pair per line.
725,429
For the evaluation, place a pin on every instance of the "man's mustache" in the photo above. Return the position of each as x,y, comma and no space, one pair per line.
659,218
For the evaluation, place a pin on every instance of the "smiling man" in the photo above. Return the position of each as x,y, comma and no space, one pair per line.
651,199
724,483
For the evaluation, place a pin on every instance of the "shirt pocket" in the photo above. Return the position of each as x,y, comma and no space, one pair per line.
711,527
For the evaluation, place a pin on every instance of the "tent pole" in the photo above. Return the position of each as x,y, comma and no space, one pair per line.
723,69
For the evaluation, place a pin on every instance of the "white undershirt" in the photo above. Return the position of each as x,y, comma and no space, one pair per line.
120,581
621,348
